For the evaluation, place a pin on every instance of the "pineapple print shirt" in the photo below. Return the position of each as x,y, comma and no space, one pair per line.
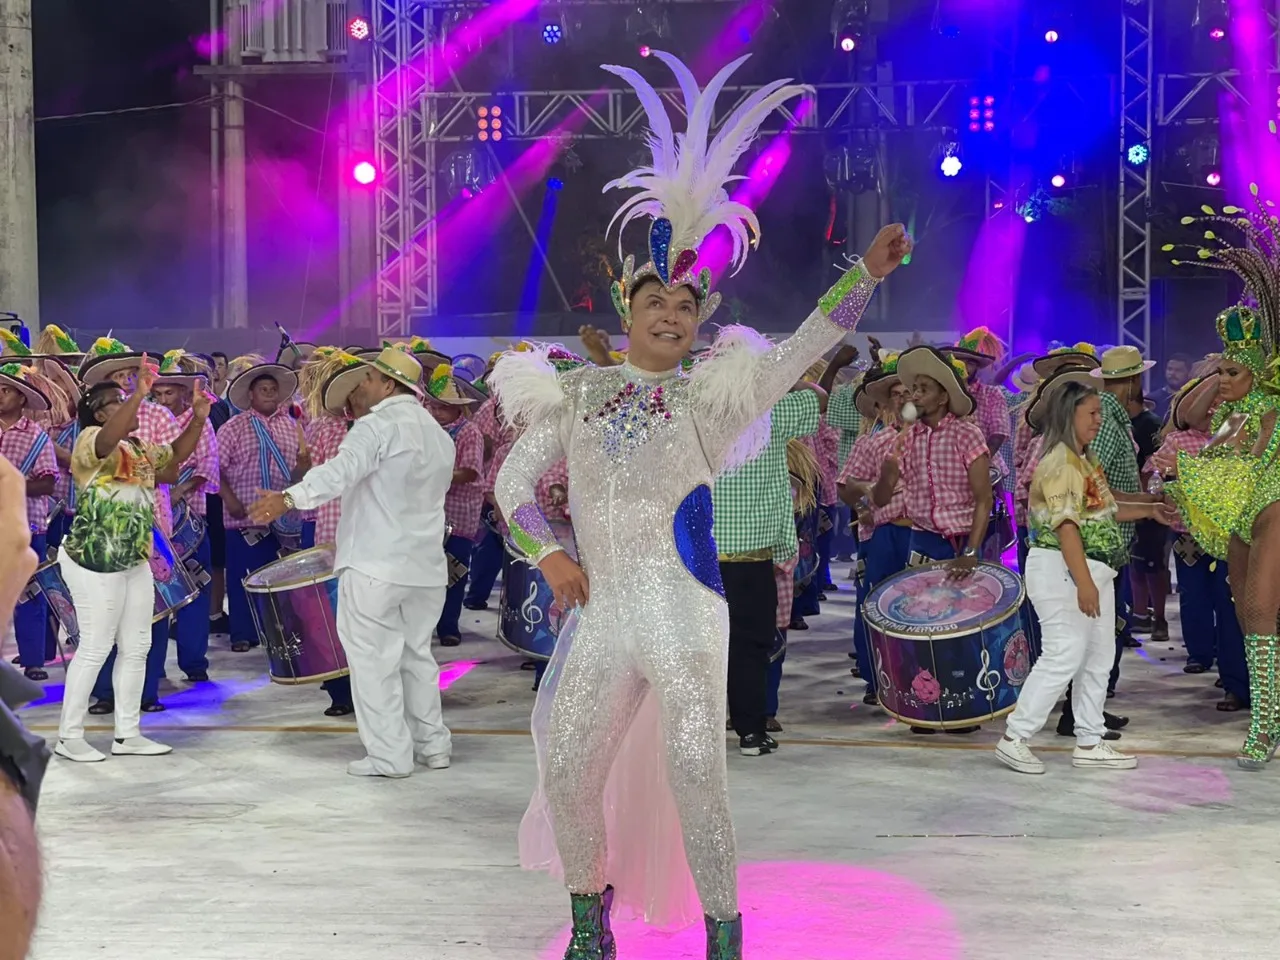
116,503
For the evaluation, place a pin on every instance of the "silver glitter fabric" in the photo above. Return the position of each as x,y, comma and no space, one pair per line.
632,462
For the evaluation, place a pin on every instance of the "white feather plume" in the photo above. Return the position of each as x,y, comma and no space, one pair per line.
722,380
527,386
686,181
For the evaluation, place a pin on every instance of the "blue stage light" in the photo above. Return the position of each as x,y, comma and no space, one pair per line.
555,183
1139,154
951,166
552,33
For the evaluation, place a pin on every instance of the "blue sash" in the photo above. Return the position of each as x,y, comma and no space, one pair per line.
67,438
268,451
37,447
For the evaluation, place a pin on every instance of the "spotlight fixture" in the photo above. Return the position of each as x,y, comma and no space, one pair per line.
358,28
849,20
469,170
1051,36
1139,154
364,173
648,26
1058,180
982,114
555,183
552,33
489,123
1213,17
951,164
645,50
1213,177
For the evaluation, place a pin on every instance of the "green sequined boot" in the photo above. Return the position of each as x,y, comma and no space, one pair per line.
724,939
1260,744
592,937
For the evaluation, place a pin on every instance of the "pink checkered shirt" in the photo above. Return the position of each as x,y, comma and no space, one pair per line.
15,443
204,462
463,502
865,460
324,436
825,445
157,426
557,476
1022,493
935,472
784,576
489,423
238,457
992,411
1166,458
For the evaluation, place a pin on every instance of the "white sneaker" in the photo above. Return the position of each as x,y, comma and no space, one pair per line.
364,768
79,751
1016,755
139,747
1103,756
433,761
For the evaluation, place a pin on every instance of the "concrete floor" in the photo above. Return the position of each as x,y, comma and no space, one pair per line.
857,840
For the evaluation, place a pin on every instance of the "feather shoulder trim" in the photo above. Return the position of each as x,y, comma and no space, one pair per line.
527,386
723,382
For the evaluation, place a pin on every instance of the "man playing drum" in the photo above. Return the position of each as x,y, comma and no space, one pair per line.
392,472
179,375
25,444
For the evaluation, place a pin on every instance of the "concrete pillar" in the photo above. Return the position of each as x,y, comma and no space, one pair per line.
19,276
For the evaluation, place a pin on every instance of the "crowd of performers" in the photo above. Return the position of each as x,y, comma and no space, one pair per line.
703,487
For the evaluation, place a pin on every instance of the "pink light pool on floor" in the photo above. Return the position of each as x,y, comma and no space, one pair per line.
451,673
807,911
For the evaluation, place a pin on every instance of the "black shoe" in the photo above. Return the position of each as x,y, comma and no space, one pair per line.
1131,643
450,641
754,745
220,625
855,671
1113,722
475,604
798,624
154,706
870,699
36,673
1193,667
923,730
822,598
103,707
830,588
770,743
340,710
198,676
961,731
1142,625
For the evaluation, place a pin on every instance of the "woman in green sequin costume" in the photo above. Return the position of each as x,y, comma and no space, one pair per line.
1230,493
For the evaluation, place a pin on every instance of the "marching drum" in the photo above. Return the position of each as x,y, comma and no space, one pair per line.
529,619
175,586
294,602
949,653
48,580
1001,535
807,547
188,530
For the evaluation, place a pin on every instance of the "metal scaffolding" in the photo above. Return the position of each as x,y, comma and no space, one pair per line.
1137,75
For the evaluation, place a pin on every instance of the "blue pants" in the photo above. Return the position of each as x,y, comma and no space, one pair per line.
242,559
1033,622
486,564
932,545
31,619
192,626
1124,620
447,625
885,553
308,534
775,681
805,603
339,690
843,542
1209,624
826,543
103,689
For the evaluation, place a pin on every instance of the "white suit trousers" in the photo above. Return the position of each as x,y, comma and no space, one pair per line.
114,609
1075,648
385,629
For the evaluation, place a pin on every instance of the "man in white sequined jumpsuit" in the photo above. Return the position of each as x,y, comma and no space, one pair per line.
644,442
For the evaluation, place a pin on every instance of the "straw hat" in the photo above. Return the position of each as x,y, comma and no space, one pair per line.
295,353
879,388
54,342
1039,401
443,386
1120,363
15,375
398,364
1026,378
332,375
286,380
180,369
107,356
55,370
1191,393
980,347
929,362
1080,355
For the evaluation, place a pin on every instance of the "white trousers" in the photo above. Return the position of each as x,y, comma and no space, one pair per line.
1075,648
385,630
114,609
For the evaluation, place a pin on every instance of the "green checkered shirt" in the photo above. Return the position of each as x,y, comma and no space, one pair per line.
844,416
753,505
1113,446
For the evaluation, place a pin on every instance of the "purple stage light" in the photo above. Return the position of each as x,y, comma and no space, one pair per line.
1051,36
848,43
1213,178
645,50
1058,180
364,173
1217,33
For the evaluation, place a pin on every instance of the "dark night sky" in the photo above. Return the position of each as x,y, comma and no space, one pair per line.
123,200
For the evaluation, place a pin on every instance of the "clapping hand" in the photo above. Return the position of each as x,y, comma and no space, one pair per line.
146,375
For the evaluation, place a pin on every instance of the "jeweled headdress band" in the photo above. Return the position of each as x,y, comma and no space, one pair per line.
683,189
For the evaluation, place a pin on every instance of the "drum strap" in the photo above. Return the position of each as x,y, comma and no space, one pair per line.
67,438
186,473
37,447
268,451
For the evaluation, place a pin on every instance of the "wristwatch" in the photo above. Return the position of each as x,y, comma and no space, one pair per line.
287,497
968,552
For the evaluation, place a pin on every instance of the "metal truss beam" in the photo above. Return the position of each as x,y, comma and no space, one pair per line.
1137,74
611,114
1187,99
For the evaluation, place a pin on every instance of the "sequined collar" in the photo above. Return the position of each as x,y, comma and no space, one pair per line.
637,375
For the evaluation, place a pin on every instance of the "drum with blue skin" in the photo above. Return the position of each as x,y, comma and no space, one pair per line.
48,581
949,653
175,587
294,602
529,619
807,545
188,530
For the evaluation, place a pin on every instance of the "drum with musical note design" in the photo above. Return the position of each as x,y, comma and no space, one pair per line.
529,619
949,653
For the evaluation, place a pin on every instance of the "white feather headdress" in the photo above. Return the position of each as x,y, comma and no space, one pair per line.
683,189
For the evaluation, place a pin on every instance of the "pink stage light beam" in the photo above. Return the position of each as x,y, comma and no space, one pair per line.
1250,151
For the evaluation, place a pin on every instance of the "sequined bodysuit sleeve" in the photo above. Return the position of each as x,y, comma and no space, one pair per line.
516,488
778,369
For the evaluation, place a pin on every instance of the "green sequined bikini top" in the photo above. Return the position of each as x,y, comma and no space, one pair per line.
1254,405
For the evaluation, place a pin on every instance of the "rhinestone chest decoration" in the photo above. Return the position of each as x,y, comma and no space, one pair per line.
630,417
